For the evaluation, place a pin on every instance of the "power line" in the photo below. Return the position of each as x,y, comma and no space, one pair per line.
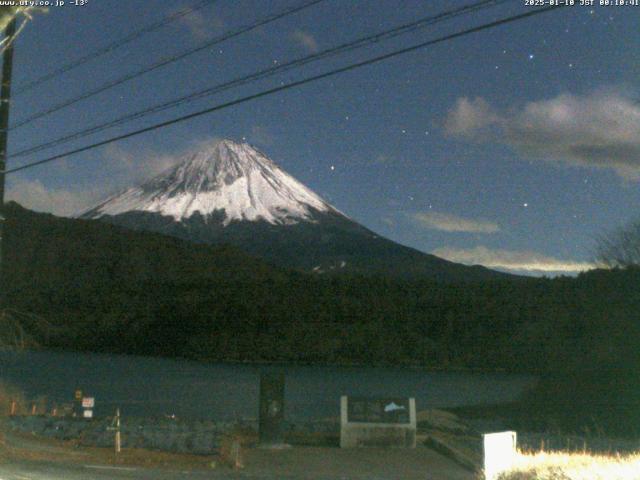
345,47
353,66
174,58
114,45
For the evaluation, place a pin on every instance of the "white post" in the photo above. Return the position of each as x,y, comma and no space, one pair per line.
499,453
344,419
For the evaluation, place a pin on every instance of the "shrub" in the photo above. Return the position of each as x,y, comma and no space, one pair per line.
574,466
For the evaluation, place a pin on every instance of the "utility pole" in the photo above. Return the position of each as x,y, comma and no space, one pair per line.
5,104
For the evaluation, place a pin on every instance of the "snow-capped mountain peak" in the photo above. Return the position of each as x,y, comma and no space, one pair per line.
234,178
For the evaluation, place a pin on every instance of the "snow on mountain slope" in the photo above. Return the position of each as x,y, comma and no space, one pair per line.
233,194
230,177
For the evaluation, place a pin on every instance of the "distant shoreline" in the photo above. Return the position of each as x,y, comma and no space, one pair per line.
275,363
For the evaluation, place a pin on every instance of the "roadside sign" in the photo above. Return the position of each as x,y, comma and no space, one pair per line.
87,414
88,402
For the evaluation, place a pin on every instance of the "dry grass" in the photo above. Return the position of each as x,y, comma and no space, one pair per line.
17,446
13,401
231,454
232,447
574,466
10,394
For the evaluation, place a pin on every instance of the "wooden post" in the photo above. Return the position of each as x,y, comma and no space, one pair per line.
117,442
13,407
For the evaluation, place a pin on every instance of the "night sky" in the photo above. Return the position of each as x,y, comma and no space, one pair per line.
515,147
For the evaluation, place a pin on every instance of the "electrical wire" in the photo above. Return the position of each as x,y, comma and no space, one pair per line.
174,58
265,73
113,46
314,78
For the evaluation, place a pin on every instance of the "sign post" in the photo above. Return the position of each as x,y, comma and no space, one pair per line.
88,403
77,403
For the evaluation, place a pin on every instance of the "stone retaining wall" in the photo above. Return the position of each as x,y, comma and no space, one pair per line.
173,435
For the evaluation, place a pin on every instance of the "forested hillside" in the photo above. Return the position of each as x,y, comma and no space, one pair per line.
102,288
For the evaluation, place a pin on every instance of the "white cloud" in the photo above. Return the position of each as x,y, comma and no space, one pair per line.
390,222
201,144
202,26
120,168
452,223
469,117
306,40
135,166
600,130
511,260
34,195
261,136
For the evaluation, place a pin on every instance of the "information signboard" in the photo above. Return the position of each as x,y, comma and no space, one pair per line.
377,422
378,410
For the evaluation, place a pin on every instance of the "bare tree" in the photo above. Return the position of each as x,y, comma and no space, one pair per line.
6,14
23,330
620,248
9,13
12,333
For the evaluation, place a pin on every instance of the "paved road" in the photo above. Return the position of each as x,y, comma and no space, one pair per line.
294,464
57,471
297,463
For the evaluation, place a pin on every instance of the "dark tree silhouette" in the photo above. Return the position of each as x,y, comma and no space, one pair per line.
621,247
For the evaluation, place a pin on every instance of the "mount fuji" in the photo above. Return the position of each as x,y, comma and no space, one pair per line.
232,193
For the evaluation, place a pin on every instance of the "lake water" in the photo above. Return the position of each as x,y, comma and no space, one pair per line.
149,387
